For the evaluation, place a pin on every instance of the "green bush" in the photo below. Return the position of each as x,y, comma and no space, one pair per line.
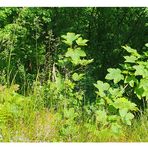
113,100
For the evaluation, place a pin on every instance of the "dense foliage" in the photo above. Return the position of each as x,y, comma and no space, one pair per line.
55,85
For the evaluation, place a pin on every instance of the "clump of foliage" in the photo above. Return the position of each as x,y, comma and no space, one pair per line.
70,117
113,100
57,79
64,92
135,71
13,107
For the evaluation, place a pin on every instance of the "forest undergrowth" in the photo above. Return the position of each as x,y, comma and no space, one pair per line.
57,109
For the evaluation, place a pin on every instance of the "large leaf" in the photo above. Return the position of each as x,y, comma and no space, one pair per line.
69,38
123,103
146,44
126,116
131,50
127,67
77,77
146,53
114,74
75,54
123,112
116,128
85,62
130,59
141,70
101,116
144,85
145,94
113,117
115,92
59,82
81,42
131,80
102,87
139,92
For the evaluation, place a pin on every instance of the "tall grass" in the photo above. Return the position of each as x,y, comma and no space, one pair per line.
45,127
29,119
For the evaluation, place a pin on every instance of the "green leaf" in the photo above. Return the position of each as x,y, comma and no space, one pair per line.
70,113
145,94
132,51
111,108
123,112
127,68
77,77
139,92
116,128
144,86
141,70
131,80
128,118
101,116
113,118
146,53
81,42
123,103
115,92
59,82
85,62
100,101
146,44
69,38
75,55
130,59
102,87
114,74
125,116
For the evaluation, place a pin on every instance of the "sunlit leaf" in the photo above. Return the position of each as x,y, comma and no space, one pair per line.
102,87
130,59
128,118
75,54
85,62
69,38
116,128
81,42
146,44
131,50
114,74
101,116
123,103
141,70
131,80
77,77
